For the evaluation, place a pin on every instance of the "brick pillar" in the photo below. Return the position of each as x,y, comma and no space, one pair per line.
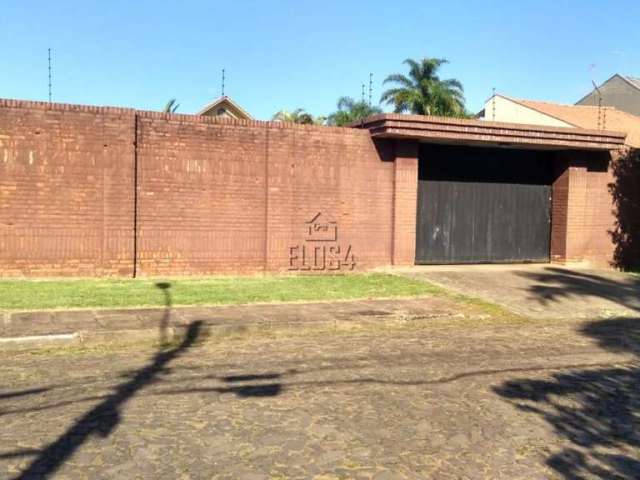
405,202
581,210
559,209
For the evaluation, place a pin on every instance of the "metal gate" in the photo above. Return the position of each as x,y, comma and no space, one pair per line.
481,205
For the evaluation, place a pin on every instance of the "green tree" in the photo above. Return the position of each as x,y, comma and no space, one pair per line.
350,111
423,92
298,116
171,106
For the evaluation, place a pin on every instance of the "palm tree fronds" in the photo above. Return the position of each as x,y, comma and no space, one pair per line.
299,115
350,110
171,106
398,78
423,92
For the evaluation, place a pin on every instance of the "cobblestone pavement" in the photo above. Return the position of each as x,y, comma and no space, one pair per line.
445,400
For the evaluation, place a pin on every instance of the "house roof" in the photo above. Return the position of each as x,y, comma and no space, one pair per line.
225,101
583,116
452,131
633,81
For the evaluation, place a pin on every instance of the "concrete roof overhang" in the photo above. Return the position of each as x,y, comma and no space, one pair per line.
457,131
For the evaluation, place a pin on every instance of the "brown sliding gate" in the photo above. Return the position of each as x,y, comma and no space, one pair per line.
483,205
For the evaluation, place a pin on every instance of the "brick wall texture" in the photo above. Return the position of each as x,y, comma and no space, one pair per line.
204,195
100,191
66,191
405,203
583,211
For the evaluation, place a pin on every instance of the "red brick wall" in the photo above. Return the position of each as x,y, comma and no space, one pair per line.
200,197
335,172
559,209
213,195
597,246
405,202
66,190
208,195
583,215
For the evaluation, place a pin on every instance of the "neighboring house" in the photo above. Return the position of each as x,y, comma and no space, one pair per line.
619,91
501,108
225,107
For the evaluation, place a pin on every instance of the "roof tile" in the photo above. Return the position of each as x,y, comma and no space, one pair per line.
582,116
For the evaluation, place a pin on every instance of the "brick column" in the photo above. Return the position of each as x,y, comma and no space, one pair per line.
405,202
582,209
559,209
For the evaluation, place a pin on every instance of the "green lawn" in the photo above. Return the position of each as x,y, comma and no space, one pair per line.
107,293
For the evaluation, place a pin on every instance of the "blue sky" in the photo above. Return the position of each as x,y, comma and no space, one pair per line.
297,53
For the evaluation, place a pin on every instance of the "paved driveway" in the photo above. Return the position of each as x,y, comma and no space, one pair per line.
441,400
542,291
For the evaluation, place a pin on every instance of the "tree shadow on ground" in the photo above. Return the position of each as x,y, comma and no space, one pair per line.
625,190
595,410
556,283
593,407
103,418
286,379
23,393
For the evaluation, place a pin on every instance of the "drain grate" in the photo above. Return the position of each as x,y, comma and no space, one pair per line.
373,313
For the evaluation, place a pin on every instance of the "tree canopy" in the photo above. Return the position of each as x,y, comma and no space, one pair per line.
422,91
299,115
350,110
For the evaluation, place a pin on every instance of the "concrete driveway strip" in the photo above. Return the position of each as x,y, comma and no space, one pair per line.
541,290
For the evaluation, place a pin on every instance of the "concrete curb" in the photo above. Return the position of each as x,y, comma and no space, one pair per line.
38,341
29,330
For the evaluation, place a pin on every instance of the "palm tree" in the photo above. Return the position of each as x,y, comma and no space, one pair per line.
350,111
298,116
423,92
171,106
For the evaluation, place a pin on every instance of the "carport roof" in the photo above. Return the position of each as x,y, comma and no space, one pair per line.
458,131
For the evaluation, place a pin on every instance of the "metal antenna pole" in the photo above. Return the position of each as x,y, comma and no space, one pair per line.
599,105
363,93
49,52
223,82
493,104
370,87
